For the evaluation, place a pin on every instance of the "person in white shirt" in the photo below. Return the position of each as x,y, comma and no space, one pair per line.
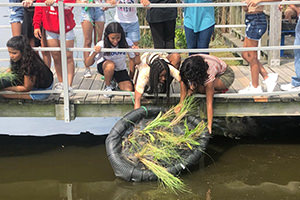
113,64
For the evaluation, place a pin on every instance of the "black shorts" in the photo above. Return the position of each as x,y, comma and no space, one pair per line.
119,76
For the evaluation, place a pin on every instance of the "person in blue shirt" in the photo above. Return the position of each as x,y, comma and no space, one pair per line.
199,23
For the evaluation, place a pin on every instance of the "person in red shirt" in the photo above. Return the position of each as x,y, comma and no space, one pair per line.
47,16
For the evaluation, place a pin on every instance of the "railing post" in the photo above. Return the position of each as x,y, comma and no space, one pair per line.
62,33
274,35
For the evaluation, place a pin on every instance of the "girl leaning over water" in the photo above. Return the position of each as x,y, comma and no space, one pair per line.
28,72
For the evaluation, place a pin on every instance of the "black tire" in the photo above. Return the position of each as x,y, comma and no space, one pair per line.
128,171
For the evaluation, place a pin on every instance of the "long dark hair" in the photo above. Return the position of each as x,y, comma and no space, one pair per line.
30,63
194,70
157,66
114,27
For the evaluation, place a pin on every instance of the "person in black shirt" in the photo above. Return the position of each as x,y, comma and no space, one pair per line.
29,72
162,22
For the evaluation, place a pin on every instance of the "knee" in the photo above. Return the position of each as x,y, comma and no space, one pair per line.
108,66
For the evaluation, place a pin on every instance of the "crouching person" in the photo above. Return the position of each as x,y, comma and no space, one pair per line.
201,73
113,64
155,74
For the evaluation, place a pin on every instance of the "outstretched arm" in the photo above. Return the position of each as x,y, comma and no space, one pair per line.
209,90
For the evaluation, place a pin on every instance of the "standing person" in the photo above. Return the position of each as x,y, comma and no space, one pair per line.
256,26
92,21
29,70
28,31
155,74
294,85
201,73
199,23
16,18
113,64
48,17
162,23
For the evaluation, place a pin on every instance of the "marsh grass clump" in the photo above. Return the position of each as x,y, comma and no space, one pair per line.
163,142
7,79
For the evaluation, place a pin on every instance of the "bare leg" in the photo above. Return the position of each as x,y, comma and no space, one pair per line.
46,54
98,31
255,66
70,61
126,86
87,29
16,28
56,58
108,70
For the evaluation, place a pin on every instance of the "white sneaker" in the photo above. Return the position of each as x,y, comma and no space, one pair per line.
113,84
289,87
271,81
87,73
58,86
250,89
108,88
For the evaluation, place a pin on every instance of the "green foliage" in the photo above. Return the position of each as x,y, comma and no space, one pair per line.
157,146
180,41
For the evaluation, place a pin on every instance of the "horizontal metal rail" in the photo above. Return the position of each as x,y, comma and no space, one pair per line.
159,5
129,93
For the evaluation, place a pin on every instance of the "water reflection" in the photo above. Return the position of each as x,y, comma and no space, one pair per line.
76,167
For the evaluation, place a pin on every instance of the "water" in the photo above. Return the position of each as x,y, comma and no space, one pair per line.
75,166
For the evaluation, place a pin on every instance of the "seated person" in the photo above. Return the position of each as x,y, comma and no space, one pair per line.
29,72
201,73
155,74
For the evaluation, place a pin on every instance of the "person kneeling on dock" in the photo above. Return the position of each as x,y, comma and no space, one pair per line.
28,72
113,64
155,74
204,74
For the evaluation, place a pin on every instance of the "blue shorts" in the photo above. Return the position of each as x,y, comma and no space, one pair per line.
69,35
40,96
132,31
256,25
16,12
93,14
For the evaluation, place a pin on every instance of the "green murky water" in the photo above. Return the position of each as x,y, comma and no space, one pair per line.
76,167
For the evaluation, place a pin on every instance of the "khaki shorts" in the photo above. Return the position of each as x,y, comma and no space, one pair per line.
227,77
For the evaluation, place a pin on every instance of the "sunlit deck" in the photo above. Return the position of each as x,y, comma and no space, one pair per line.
90,104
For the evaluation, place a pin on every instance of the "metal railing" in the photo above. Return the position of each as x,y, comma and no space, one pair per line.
64,49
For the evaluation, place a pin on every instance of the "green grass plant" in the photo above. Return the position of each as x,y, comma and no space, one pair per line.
158,146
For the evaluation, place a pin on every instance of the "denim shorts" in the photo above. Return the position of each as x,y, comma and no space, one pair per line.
69,35
256,25
16,12
93,14
40,96
132,31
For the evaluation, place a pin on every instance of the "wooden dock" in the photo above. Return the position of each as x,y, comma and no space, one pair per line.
95,105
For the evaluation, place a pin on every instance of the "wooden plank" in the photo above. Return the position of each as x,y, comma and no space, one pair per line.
96,85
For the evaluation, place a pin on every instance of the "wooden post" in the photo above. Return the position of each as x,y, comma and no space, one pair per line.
274,35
